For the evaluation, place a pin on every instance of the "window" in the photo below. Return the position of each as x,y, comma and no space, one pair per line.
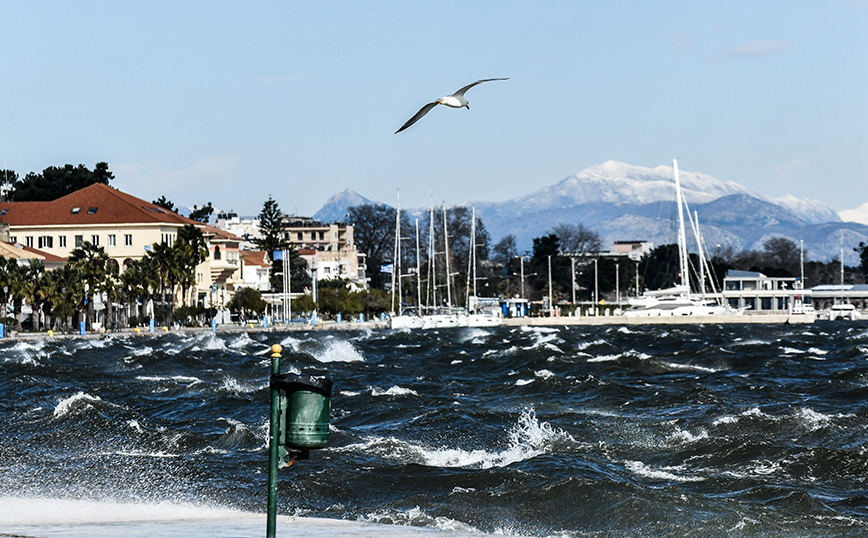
75,211
128,240
79,239
766,303
3,211
13,239
94,240
28,241
91,210
301,236
45,241
112,240
61,241
216,253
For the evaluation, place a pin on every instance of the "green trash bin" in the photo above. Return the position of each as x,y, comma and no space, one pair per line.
305,402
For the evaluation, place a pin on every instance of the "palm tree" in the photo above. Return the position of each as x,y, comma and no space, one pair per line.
17,282
34,289
65,290
109,286
137,281
192,250
165,262
91,260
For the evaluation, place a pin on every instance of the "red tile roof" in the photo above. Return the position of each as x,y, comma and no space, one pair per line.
255,257
16,250
97,204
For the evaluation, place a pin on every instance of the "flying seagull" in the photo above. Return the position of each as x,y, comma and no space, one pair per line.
456,100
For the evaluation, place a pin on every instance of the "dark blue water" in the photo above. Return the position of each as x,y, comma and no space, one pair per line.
582,431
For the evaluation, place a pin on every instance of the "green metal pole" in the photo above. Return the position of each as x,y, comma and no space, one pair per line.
273,446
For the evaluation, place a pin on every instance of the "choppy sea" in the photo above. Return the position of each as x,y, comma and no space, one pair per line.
612,431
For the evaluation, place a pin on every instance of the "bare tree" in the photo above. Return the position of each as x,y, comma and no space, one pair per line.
576,239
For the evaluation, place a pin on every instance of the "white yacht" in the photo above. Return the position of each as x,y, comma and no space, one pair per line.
844,311
678,300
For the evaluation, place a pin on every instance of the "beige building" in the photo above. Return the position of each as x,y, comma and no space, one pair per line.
126,227
306,233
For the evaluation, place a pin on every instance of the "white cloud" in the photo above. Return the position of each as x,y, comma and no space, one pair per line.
790,169
681,42
758,49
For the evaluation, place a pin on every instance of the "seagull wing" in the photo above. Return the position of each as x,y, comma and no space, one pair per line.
472,84
422,111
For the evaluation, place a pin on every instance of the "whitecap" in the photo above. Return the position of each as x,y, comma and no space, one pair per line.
585,345
339,351
65,406
726,419
416,517
605,358
189,381
663,473
686,367
527,439
813,420
545,374
230,384
686,437
394,391
523,382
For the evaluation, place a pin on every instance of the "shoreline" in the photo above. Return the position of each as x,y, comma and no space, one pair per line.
746,319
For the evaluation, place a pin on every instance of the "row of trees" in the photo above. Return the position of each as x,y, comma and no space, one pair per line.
66,295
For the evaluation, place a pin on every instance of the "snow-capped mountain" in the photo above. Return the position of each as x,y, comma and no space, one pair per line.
860,214
810,211
625,202
619,183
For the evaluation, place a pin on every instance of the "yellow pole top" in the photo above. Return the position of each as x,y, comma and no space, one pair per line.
275,350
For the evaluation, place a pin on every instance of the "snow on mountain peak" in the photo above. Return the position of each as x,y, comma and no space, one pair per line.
859,215
621,183
810,211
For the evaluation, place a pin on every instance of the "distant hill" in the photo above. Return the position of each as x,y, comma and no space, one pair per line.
335,208
624,202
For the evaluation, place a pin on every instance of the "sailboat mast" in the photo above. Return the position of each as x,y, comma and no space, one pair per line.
471,265
473,249
396,262
418,277
432,265
682,236
446,249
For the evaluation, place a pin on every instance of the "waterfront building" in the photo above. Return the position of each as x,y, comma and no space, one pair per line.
756,293
126,227
830,294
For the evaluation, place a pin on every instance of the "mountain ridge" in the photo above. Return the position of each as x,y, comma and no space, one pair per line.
626,202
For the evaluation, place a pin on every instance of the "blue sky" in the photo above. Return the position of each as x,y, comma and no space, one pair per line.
231,102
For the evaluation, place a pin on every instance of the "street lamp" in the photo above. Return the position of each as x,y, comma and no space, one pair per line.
551,305
618,284
573,270
596,287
